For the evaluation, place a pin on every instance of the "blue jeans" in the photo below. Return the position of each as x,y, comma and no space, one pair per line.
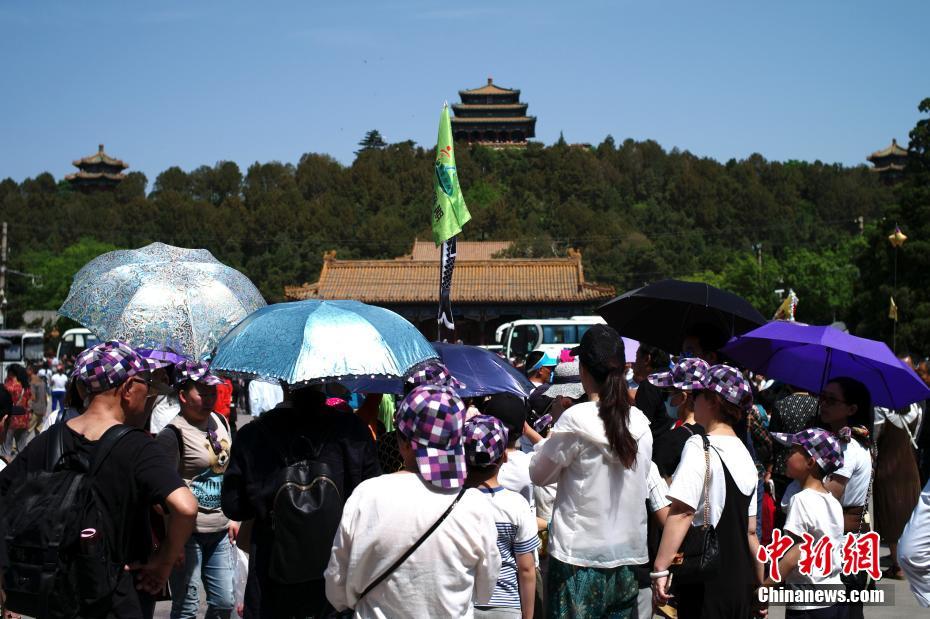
207,557
58,398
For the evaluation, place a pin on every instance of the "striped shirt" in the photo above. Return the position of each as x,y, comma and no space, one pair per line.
516,534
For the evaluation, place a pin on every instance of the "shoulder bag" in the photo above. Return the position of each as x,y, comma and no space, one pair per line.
699,555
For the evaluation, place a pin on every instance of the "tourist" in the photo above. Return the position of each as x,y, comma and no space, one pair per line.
300,430
198,441
914,549
486,441
416,543
648,398
790,415
897,480
39,403
539,367
16,432
657,505
678,385
730,501
135,475
599,453
58,382
815,512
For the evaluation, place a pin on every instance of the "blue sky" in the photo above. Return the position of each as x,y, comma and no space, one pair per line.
193,83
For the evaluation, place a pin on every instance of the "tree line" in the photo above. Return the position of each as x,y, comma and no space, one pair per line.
637,211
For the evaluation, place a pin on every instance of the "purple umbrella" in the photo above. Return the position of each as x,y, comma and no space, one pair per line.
809,357
161,358
482,371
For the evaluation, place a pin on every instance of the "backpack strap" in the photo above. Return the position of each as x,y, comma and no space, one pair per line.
55,447
107,442
224,422
177,435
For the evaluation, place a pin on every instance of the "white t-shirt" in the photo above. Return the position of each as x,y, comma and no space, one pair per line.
59,382
688,479
599,515
658,489
914,549
857,468
166,410
820,515
455,567
263,396
516,534
515,475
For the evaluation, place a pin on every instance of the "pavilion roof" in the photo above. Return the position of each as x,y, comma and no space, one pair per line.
492,119
100,157
490,89
464,250
892,150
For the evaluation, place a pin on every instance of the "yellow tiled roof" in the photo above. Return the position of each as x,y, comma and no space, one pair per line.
891,150
464,250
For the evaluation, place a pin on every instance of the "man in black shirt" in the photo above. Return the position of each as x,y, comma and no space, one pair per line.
253,475
135,476
649,399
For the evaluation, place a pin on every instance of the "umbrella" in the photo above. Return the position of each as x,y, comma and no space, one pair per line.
809,357
308,342
482,371
661,313
161,297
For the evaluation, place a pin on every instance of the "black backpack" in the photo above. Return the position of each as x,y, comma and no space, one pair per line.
62,557
306,508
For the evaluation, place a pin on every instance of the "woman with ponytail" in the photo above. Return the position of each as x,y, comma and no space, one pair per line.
599,453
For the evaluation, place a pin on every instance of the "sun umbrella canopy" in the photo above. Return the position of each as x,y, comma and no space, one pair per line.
308,342
482,371
662,313
809,357
161,297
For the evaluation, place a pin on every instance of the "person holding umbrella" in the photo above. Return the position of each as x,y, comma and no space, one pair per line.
728,497
599,453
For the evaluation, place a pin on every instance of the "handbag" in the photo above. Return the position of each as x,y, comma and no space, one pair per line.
698,557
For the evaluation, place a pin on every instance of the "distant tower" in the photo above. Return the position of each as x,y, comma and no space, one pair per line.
889,162
493,116
96,172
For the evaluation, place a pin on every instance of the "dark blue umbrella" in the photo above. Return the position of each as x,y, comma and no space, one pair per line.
810,357
482,371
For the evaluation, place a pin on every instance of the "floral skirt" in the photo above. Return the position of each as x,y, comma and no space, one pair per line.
590,592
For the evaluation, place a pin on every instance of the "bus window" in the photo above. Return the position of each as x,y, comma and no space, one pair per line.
14,351
560,334
523,339
582,329
33,349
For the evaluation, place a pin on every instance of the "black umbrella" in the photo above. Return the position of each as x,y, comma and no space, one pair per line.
662,313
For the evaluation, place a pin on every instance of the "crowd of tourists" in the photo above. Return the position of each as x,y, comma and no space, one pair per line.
613,490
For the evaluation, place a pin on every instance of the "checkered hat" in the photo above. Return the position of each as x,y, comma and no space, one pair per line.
823,446
686,375
196,371
432,418
730,384
485,440
108,365
433,373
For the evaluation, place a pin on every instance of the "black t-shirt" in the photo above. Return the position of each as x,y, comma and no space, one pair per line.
134,477
651,401
666,451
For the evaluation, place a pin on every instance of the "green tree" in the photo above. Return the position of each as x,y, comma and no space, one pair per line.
371,141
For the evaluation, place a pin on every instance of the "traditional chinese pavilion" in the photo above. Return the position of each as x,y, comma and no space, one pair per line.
889,162
98,171
487,290
493,116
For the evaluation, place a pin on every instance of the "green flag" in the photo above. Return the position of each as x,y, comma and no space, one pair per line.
449,212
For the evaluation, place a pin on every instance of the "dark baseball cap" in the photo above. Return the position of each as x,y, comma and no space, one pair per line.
601,347
510,409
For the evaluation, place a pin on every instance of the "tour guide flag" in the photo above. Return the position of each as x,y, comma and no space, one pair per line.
449,214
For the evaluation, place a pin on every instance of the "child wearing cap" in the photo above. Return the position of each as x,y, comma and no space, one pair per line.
485,452
813,511
456,565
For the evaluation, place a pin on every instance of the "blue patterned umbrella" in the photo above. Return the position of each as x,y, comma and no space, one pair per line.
161,297
307,342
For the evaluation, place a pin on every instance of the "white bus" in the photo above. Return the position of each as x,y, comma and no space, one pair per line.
22,347
520,337
74,341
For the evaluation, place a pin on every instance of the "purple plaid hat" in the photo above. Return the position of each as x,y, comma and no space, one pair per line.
107,366
686,375
158,359
433,373
432,418
730,384
823,446
196,371
485,440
